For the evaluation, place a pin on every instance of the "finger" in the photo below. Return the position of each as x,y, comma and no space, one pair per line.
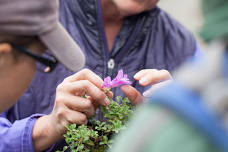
141,73
150,91
79,104
109,94
95,105
155,77
86,74
89,88
133,95
75,117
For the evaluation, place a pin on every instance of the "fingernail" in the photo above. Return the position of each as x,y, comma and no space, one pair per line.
107,102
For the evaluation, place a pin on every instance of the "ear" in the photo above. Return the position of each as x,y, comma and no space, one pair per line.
5,48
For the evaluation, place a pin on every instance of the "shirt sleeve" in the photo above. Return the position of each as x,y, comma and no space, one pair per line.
17,136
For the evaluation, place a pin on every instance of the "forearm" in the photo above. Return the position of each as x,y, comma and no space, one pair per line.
44,134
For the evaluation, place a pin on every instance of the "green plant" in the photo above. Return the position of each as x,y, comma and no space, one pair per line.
97,135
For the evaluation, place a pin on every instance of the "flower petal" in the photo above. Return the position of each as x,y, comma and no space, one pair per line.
107,82
120,79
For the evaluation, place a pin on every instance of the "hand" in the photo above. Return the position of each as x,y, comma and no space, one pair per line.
133,95
156,78
70,107
147,77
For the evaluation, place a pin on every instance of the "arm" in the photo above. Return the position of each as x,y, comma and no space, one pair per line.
70,107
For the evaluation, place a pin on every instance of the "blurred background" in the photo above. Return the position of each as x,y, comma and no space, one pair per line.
186,12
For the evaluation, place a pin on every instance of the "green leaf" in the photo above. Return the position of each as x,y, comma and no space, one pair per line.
65,148
80,147
94,137
90,143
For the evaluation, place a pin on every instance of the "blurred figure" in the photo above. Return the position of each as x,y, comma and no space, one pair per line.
191,113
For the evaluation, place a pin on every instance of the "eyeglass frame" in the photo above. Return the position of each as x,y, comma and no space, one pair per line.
50,64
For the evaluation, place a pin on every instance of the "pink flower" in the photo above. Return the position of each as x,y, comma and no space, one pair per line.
121,79
107,83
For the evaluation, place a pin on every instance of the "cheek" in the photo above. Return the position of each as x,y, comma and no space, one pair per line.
16,80
27,72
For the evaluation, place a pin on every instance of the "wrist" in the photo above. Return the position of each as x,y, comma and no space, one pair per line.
44,134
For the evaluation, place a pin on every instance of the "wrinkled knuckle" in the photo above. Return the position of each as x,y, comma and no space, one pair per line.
91,113
61,113
60,88
87,105
86,71
82,119
67,79
151,71
100,95
59,100
86,84
166,73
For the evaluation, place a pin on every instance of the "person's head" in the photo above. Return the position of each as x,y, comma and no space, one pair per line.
27,29
131,7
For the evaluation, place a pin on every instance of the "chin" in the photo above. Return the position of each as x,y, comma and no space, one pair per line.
132,7
128,10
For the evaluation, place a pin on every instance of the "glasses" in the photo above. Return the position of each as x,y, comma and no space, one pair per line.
47,64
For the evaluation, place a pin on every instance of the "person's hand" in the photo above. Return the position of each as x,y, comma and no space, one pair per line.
70,106
133,95
156,78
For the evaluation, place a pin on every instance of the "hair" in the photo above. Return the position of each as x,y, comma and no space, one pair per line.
24,41
19,40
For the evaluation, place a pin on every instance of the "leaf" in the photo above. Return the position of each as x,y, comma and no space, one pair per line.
96,136
105,138
65,148
90,143
80,147
72,126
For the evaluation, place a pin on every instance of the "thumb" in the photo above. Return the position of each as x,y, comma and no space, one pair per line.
133,95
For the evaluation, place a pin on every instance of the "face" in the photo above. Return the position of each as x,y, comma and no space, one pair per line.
131,7
16,73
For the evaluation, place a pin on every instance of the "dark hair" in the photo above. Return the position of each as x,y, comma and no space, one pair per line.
19,40
23,41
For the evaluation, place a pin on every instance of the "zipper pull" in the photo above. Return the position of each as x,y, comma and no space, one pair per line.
111,65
